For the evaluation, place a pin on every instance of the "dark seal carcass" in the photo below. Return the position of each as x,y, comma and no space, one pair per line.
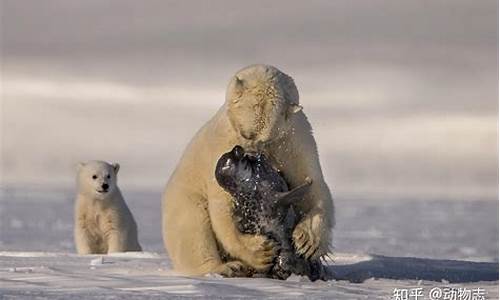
263,204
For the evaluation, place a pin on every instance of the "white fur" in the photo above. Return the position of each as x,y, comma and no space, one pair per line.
103,222
261,112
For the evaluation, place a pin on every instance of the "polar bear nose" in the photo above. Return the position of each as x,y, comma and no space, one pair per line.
105,186
249,135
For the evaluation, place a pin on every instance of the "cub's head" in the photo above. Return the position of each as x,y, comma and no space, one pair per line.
97,179
261,100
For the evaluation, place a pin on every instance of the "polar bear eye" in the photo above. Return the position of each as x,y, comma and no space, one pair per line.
94,177
108,176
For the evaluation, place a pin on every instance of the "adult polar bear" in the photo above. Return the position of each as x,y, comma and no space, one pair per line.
262,113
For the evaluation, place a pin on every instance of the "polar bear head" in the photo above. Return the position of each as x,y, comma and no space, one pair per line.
97,179
260,102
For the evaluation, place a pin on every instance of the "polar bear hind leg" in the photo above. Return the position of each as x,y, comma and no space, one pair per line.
192,247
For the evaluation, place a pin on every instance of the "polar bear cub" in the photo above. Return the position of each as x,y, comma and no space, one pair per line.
103,222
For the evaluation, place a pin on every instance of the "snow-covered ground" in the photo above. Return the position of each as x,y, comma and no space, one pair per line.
46,275
414,245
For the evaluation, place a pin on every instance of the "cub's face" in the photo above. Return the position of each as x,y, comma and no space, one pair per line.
97,179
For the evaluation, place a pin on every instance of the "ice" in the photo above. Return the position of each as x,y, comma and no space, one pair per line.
297,278
97,261
213,275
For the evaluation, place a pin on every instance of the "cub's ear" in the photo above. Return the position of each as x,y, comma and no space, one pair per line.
295,108
116,167
80,165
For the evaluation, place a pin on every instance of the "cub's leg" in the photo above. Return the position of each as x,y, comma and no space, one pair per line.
117,241
83,241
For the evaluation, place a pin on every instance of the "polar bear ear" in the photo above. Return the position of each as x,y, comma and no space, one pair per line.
295,108
80,166
238,81
239,86
116,167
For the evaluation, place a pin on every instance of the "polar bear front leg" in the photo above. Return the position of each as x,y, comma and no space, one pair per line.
256,251
117,241
312,236
82,241
189,237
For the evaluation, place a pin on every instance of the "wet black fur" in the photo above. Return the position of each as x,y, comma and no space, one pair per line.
263,204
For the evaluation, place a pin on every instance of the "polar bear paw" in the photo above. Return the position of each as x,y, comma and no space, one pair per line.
234,269
258,251
308,239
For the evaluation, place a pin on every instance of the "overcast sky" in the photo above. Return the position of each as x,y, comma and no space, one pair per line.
402,95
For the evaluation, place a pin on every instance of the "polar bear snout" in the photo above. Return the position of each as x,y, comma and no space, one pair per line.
249,135
105,187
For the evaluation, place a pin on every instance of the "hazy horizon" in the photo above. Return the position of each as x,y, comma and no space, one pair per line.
402,96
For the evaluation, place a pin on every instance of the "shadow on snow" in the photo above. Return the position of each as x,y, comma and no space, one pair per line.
409,268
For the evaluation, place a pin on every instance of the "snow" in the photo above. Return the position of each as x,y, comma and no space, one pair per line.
148,276
379,246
